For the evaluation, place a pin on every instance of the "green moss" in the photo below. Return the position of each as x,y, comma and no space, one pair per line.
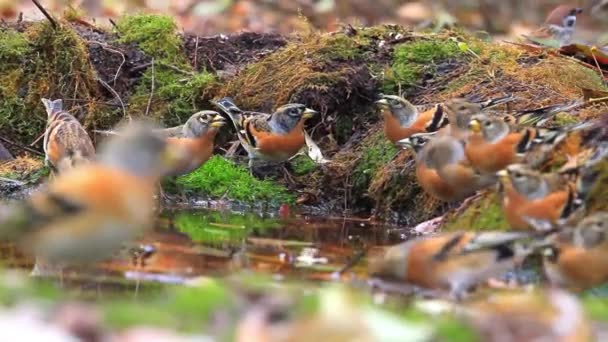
178,90
155,34
596,306
411,60
340,46
175,96
183,308
219,229
596,199
220,177
377,151
42,62
564,119
13,48
312,61
450,329
484,214
302,165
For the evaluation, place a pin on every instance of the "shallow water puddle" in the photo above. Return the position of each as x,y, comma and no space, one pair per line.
191,243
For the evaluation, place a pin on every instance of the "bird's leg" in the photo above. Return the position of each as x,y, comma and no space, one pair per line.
250,165
288,177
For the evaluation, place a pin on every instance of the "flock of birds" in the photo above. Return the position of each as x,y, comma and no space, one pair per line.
97,201
462,147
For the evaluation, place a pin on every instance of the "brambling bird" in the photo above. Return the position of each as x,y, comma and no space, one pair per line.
86,213
66,143
448,262
559,25
444,172
459,112
197,140
428,178
531,195
274,137
402,119
540,315
578,258
492,145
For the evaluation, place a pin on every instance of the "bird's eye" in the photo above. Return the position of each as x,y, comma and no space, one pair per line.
517,174
461,108
487,124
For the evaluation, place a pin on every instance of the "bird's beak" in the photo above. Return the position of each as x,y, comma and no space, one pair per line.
309,113
218,121
405,143
474,126
382,102
502,174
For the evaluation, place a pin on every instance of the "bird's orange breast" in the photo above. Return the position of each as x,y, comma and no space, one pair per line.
517,207
281,146
581,268
491,157
430,181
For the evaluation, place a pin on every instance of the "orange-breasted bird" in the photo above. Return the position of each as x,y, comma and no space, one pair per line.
459,112
540,315
88,212
558,26
443,171
402,119
197,140
452,261
428,178
66,143
578,257
493,145
531,195
273,137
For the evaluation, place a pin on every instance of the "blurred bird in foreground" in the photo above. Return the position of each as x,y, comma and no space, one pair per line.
273,137
559,26
88,212
578,257
196,138
66,143
452,261
542,315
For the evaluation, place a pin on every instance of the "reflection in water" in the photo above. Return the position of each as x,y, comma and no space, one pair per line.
187,244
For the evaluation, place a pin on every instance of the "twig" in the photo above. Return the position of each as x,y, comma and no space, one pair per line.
597,64
113,23
25,148
37,139
105,47
46,14
108,87
151,90
196,54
